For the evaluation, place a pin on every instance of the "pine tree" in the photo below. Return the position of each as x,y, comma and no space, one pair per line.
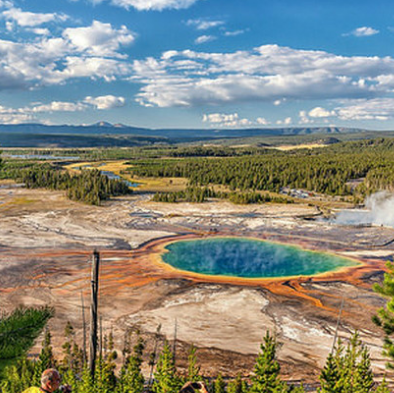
131,379
86,385
330,376
266,378
385,317
45,359
219,385
67,346
166,380
363,377
19,376
104,378
237,385
297,389
348,371
192,369
383,387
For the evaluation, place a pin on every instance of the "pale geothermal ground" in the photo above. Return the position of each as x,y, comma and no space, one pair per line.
45,248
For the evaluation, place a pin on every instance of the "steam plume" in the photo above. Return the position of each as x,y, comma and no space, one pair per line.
379,211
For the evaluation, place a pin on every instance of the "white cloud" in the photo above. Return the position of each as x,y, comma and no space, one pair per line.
262,121
106,102
31,19
225,120
85,52
320,112
233,33
363,32
316,113
245,122
381,109
285,122
57,106
154,5
267,73
304,119
15,118
220,117
101,102
204,38
99,39
5,4
92,67
203,24
28,113
40,31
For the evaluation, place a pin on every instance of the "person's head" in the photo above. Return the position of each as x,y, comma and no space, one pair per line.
50,380
194,387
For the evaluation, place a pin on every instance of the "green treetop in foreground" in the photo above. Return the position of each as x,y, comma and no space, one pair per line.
385,317
266,378
18,330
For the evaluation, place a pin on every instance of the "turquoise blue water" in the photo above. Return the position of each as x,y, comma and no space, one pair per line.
248,258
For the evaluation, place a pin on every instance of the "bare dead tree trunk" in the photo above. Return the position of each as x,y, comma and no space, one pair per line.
84,330
175,337
93,311
153,356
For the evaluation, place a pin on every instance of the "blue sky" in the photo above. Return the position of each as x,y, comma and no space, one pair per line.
198,63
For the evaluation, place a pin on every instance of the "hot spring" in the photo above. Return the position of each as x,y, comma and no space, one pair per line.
249,258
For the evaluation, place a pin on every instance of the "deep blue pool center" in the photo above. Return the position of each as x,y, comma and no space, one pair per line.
249,258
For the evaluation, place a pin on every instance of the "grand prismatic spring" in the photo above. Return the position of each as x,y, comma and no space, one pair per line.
249,258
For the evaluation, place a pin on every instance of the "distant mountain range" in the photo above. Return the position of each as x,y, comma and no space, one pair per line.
106,134
103,127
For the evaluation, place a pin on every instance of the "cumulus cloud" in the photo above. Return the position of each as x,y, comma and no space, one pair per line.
84,52
14,116
304,119
40,31
320,112
374,109
154,5
106,102
30,19
316,113
231,120
99,39
267,73
364,32
220,117
204,38
262,121
28,113
57,106
285,122
203,24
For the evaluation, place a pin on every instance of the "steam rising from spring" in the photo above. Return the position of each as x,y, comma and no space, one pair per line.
379,211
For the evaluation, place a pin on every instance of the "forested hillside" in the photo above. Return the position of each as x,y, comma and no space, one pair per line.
89,186
325,170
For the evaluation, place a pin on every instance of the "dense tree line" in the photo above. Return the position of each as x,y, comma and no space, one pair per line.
322,170
213,151
112,153
200,194
89,186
